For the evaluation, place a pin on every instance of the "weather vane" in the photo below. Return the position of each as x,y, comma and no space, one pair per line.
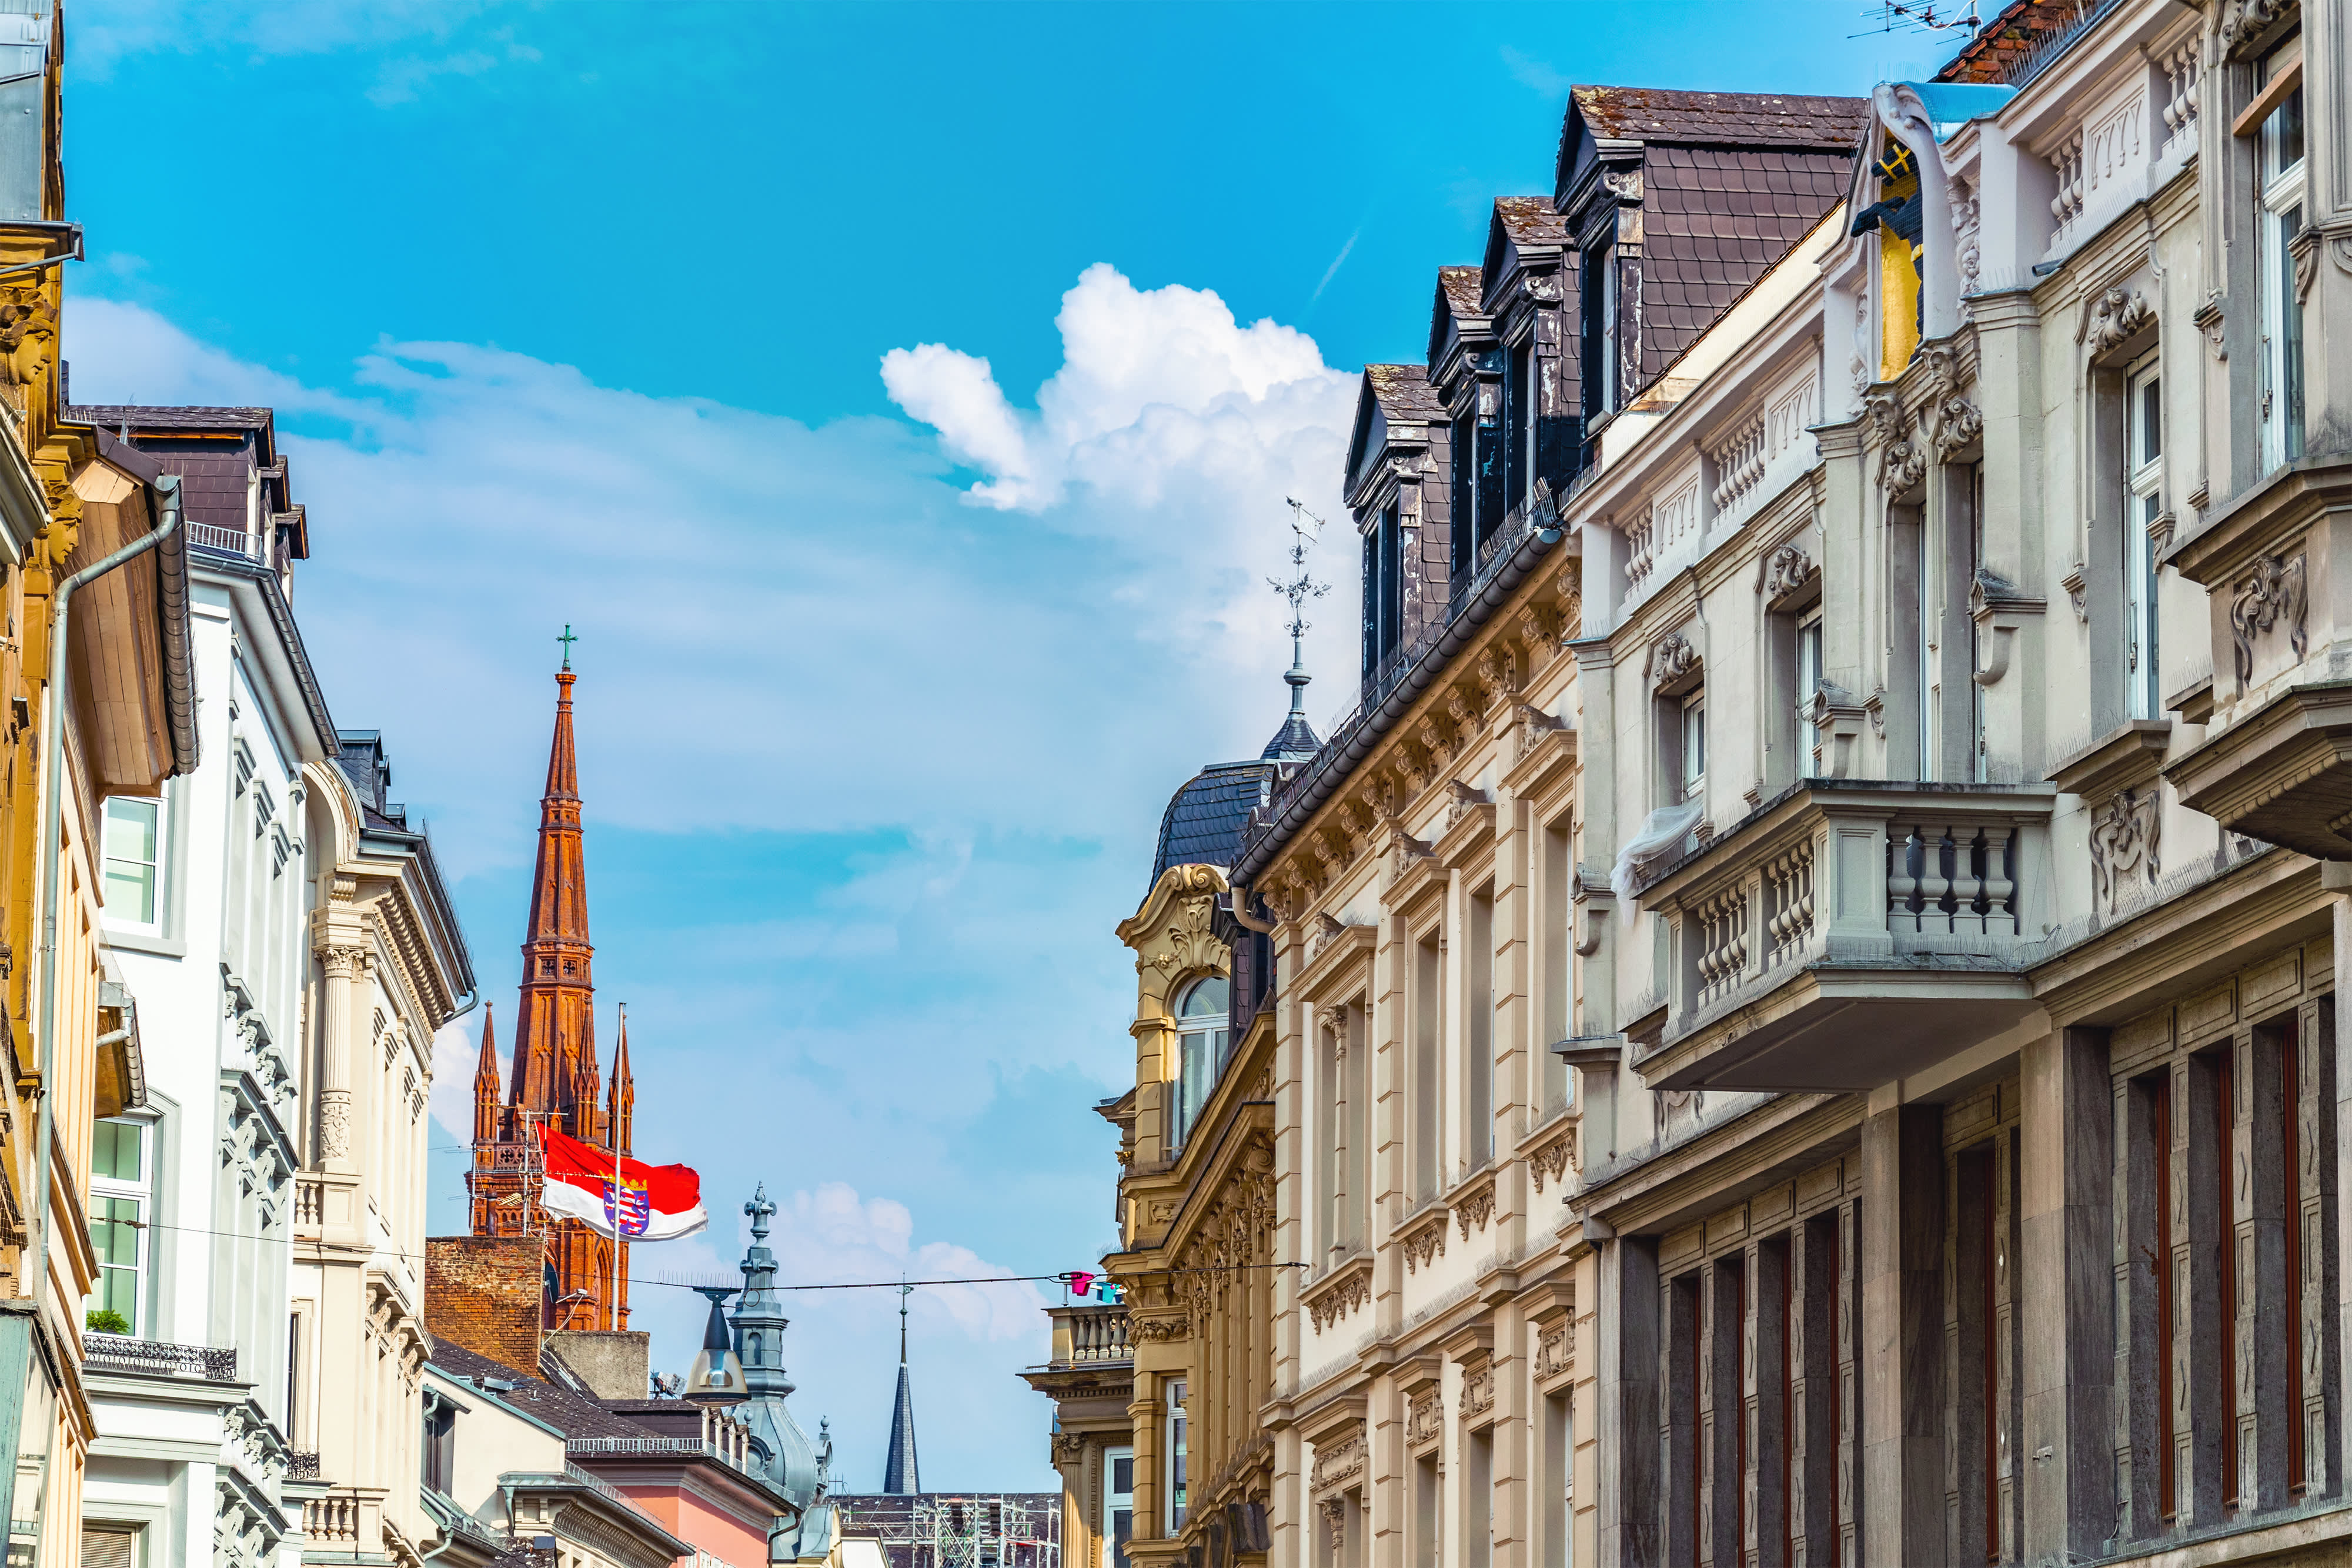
1306,527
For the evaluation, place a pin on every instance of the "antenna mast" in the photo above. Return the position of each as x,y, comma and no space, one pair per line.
1298,591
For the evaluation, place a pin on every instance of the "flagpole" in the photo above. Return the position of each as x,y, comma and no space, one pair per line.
612,1133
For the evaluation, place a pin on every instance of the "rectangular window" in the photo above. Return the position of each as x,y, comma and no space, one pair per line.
1809,685
1429,1065
118,1227
1390,627
2279,162
134,874
1175,1452
1118,1504
1478,1039
440,1445
1555,965
1479,1512
1519,438
1558,1481
2143,484
1693,749
1600,355
1429,1513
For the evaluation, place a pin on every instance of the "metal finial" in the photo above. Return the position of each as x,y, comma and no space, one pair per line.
760,1208
567,639
904,1291
1300,588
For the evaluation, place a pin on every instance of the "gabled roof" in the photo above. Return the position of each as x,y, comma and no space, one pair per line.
1457,303
1521,225
1390,395
2004,44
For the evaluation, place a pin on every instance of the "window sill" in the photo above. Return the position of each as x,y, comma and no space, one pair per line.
146,941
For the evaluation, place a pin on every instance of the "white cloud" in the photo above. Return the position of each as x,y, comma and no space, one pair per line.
1531,72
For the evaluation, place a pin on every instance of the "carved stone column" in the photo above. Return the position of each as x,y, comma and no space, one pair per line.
344,966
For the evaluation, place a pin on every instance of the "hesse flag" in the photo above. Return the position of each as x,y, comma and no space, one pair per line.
656,1203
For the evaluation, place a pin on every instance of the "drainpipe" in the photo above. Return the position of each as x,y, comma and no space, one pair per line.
167,490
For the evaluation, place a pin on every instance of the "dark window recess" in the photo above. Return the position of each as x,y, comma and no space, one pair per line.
1459,542
1384,589
1491,504
1518,410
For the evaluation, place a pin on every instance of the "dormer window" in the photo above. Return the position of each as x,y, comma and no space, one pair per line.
1520,422
1601,355
1383,589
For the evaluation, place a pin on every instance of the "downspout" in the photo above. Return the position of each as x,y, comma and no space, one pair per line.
167,490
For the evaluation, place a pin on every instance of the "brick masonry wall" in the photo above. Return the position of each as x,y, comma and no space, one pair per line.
482,1292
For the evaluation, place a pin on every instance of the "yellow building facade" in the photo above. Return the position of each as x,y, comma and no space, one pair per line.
68,498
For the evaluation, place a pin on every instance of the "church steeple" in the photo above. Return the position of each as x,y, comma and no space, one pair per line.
901,1475
554,1076
555,1031
621,1108
486,1084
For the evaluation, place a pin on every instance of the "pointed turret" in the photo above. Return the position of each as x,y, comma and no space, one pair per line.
621,1108
486,1084
901,1475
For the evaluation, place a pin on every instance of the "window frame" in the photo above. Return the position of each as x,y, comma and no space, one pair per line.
2143,483
1691,707
1175,1434
2281,203
156,868
1118,1507
1809,654
1204,1044
137,1192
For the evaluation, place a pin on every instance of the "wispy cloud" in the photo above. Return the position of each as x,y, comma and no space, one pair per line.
1531,72
1338,261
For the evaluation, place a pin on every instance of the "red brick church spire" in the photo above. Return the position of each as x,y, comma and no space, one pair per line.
555,1081
555,1031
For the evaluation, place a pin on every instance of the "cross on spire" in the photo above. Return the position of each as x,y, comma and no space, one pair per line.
567,639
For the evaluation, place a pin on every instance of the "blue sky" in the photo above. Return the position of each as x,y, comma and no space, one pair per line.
899,401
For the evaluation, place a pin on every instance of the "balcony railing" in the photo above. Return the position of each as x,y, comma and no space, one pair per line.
1091,1337
1805,941
266,548
155,1358
302,1467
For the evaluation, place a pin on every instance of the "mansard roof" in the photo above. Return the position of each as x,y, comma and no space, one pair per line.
1204,820
1455,312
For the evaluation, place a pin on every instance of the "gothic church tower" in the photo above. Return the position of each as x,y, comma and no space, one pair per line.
556,1082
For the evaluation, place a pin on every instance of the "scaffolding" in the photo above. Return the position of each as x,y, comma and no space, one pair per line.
962,1530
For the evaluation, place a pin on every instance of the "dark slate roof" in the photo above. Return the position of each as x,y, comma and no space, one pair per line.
1294,742
1460,287
1402,392
574,1416
1530,220
1203,822
1714,220
1720,119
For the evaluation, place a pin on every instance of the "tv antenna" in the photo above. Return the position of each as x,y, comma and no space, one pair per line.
1915,16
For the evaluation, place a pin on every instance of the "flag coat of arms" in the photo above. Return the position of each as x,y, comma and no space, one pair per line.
648,1203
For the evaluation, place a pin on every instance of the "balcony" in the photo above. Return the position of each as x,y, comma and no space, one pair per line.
153,1358
1848,934
2276,762
1090,1336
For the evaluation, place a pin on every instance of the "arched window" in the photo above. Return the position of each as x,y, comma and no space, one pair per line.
1203,1035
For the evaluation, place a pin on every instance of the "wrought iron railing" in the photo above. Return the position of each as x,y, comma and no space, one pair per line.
301,1467
122,1352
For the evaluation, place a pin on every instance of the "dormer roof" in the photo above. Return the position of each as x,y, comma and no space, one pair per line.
1457,312
1767,121
1394,401
1527,227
